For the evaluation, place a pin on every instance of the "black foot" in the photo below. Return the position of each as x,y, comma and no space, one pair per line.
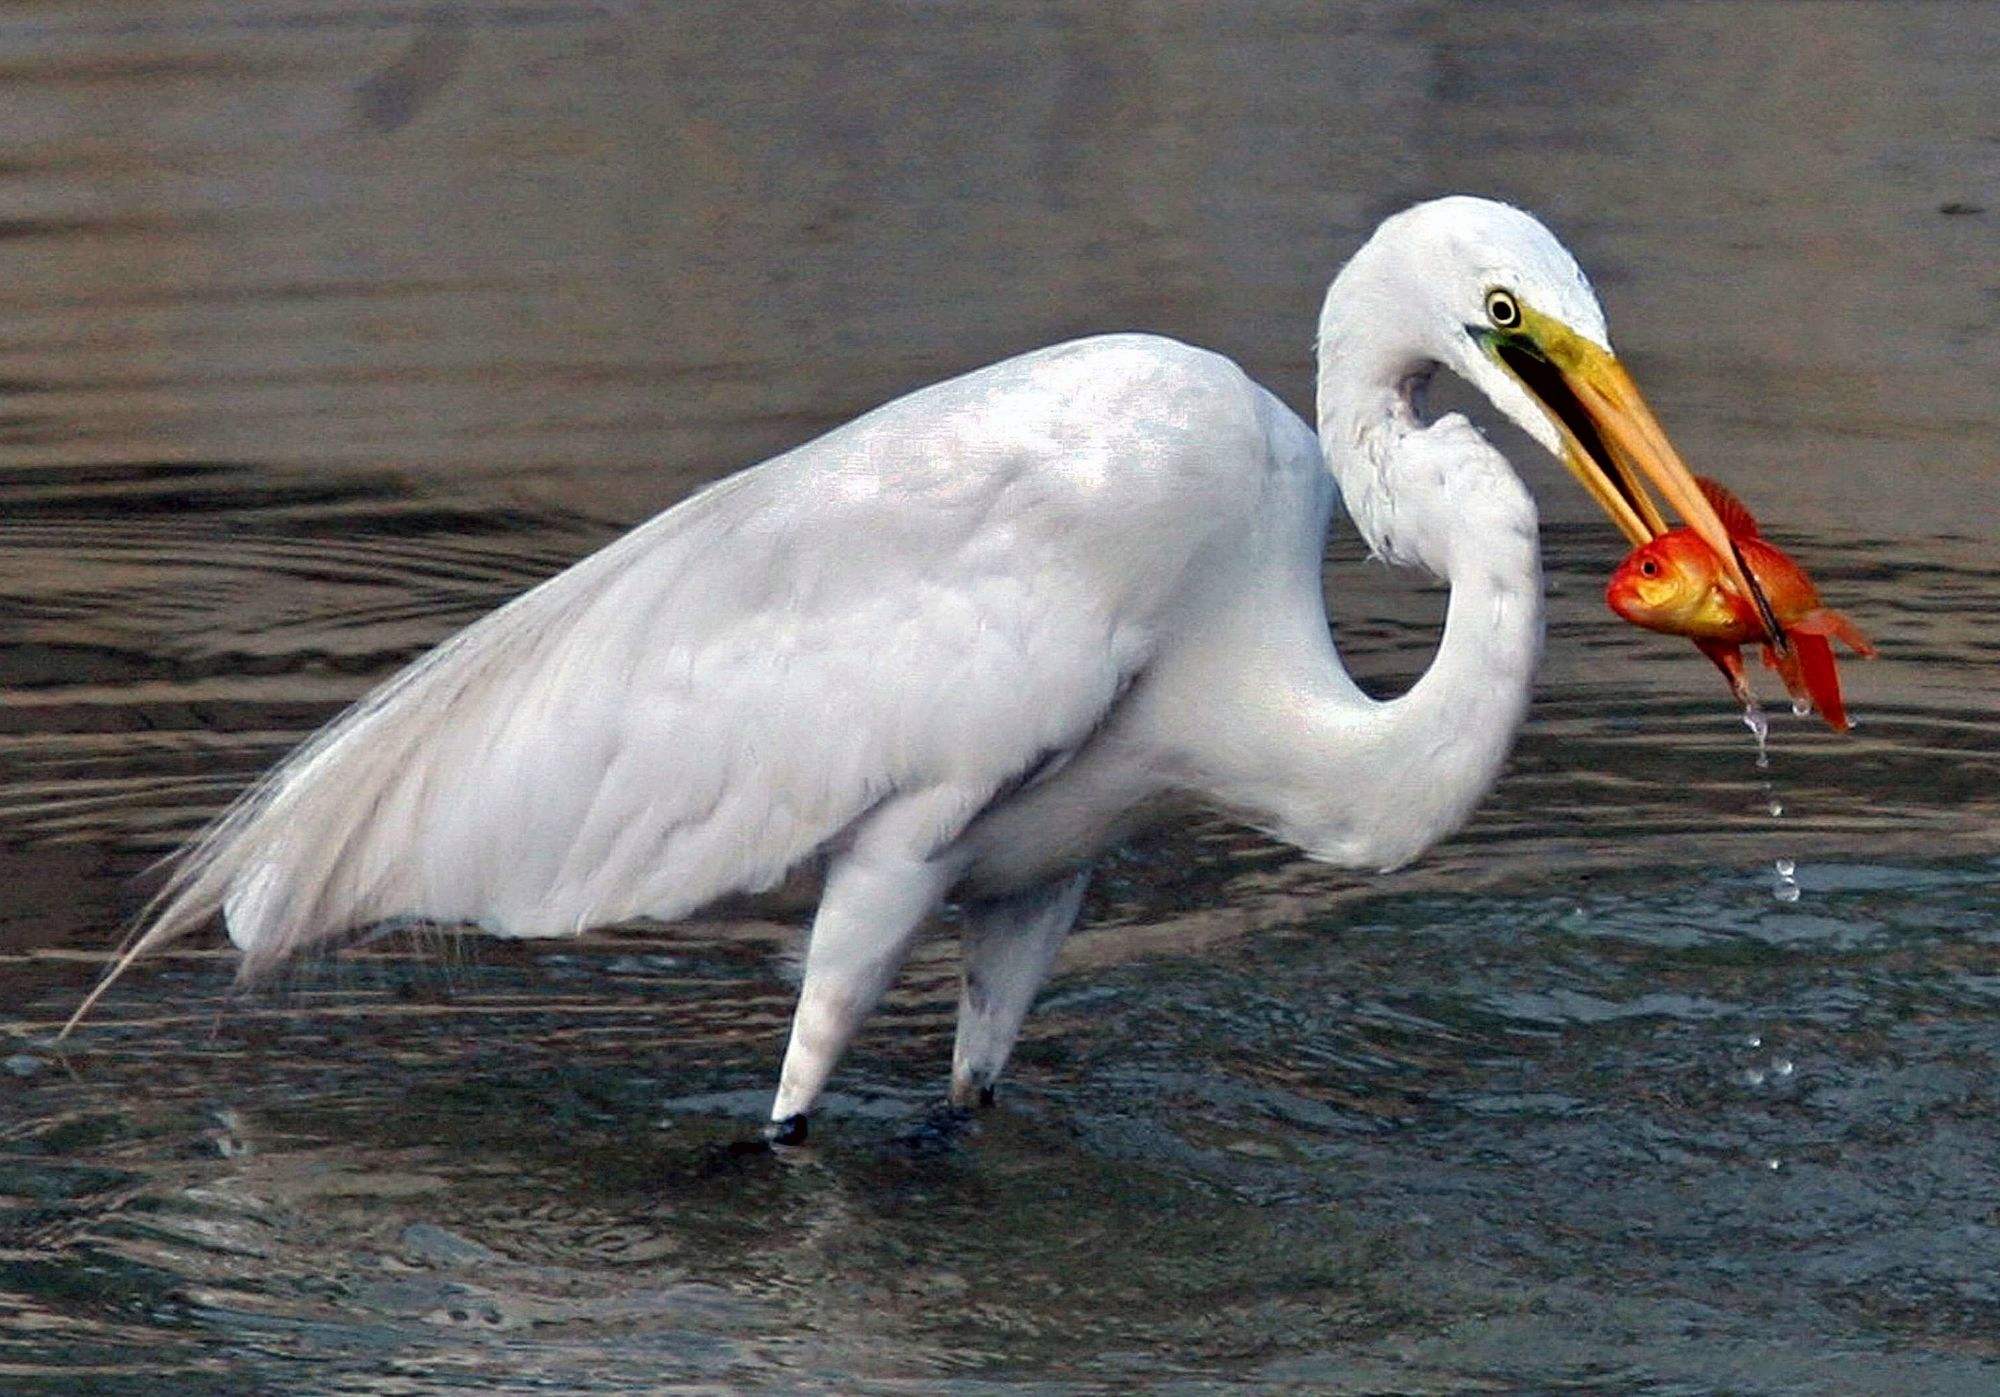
789,1131
986,1096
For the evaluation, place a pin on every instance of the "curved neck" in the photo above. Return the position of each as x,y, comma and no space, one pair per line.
1373,784
1451,733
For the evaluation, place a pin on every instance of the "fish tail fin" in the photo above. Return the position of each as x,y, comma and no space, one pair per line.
1822,680
1824,621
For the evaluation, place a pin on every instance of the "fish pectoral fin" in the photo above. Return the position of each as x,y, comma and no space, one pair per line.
1824,621
1729,659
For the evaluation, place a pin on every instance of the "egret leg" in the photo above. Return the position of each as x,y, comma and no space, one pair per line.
1010,947
869,916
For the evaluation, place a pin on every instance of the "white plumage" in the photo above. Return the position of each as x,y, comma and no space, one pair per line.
914,608
946,650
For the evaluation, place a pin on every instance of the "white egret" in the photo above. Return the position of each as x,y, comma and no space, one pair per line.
949,649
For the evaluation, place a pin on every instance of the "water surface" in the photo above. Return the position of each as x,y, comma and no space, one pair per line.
327,328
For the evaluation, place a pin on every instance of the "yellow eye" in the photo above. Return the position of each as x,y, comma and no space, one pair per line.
1502,309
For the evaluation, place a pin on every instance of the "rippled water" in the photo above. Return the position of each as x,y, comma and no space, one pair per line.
327,328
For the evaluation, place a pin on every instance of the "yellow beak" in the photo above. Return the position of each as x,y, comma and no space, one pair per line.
1614,445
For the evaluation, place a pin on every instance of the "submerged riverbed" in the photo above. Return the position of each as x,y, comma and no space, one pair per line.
328,328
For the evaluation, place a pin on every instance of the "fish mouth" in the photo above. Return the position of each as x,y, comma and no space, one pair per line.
1613,444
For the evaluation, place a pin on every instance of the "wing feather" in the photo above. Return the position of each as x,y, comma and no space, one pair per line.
937,596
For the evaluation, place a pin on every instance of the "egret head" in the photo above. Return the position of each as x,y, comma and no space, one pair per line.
1485,290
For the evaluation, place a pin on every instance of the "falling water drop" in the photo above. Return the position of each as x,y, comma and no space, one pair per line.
1777,806
1760,728
1785,887
1800,707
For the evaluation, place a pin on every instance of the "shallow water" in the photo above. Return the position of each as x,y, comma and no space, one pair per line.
328,328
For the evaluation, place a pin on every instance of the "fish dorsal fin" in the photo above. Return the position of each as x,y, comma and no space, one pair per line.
1735,515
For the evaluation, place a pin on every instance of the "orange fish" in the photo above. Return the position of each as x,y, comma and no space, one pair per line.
1676,584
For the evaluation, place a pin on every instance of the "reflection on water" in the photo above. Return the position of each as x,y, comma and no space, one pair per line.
326,329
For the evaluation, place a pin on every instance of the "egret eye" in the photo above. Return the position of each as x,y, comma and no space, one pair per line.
1650,568
1502,309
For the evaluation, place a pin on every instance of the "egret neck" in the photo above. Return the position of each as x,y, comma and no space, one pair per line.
1373,784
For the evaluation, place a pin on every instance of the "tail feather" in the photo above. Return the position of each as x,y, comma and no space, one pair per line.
196,890
277,864
179,908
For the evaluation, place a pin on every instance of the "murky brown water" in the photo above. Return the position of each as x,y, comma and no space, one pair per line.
323,328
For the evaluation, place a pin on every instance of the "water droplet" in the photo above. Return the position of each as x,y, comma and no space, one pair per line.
1756,1040
1760,728
1800,708
1785,886
1783,1067
1777,807
1755,1077
1773,1165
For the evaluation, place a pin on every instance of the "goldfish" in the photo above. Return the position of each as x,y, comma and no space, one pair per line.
1677,585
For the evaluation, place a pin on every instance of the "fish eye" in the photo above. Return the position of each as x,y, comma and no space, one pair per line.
1650,567
1502,309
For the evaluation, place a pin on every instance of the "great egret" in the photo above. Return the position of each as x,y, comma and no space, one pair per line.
949,649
